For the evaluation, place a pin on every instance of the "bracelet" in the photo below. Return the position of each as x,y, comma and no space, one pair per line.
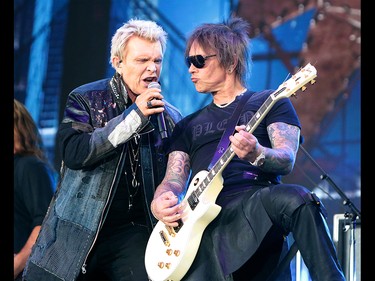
259,161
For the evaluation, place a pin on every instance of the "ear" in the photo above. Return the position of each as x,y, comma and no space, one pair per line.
116,62
231,68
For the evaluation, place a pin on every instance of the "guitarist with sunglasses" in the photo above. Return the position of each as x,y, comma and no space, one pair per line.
228,220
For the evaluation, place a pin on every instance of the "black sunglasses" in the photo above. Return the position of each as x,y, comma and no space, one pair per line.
198,61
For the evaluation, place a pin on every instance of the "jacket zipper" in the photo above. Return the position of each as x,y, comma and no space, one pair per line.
83,268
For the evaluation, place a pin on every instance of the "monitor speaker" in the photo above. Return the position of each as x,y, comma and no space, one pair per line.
347,239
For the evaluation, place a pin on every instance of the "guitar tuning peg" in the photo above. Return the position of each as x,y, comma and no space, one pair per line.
313,82
303,88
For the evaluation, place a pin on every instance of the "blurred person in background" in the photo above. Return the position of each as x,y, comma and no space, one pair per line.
34,183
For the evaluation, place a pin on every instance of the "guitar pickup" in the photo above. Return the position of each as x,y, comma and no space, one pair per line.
173,230
180,224
193,201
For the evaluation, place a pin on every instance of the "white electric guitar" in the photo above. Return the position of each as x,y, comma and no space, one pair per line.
171,250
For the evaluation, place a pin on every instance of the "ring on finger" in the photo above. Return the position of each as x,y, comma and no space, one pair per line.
149,104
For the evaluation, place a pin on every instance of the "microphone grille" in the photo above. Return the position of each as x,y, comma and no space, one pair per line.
154,85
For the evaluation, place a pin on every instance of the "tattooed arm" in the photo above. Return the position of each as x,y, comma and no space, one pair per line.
280,158
285,142
164,206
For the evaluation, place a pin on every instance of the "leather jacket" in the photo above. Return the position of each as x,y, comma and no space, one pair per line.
92,138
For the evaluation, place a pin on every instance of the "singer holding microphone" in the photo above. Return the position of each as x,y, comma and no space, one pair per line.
112,141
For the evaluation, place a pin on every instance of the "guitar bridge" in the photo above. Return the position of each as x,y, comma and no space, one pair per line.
164,238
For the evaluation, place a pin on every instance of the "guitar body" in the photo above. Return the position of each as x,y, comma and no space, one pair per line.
171,261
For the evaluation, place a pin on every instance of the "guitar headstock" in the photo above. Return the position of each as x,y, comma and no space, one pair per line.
296,82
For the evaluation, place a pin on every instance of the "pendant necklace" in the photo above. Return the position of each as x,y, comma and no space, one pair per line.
133,151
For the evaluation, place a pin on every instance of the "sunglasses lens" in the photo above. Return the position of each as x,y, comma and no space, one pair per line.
197,61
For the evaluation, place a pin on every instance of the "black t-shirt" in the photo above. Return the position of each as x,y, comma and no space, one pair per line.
124,209
198,135
34,184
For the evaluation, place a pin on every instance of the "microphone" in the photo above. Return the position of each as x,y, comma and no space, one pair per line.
160,117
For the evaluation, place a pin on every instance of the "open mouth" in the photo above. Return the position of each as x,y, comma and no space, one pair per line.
150,79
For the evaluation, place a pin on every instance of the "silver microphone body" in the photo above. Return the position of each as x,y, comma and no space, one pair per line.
160,117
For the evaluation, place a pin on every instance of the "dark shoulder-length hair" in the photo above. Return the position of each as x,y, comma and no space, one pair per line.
27,133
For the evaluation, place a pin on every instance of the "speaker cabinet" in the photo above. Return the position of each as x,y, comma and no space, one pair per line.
347,239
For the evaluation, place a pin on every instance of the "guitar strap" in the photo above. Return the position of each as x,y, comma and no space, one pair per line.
232,121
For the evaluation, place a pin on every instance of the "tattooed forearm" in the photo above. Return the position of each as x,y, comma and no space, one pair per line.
285,141
177,173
